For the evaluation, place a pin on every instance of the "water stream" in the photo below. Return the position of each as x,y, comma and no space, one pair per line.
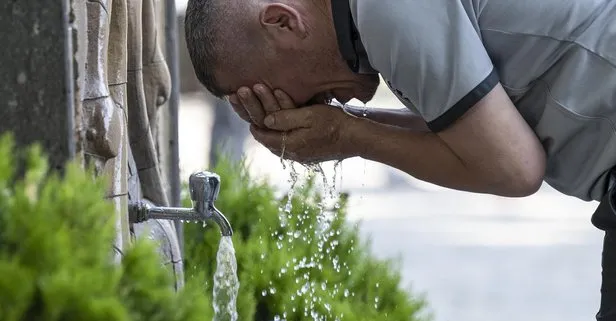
226,283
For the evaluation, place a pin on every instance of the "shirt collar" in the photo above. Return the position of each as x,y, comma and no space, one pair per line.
349,42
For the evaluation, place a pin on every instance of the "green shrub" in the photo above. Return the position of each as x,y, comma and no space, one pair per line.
345,283
55,252
55,255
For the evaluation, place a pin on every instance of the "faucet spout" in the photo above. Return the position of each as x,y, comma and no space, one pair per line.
223,223
204,189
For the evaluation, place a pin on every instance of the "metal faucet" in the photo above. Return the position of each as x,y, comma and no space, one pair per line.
204,188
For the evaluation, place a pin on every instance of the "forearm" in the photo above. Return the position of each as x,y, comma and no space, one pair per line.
396,117
421,154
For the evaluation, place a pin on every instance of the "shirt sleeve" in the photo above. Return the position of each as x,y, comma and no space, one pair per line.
430,54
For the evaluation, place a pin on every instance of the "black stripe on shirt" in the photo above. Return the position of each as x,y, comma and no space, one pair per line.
468,101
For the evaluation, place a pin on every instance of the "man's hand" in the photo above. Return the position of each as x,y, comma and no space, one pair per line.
308,134
253,104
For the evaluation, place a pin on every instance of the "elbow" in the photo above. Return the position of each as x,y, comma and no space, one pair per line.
526,185
521,181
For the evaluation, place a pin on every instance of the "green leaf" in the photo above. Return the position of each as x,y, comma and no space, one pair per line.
344,264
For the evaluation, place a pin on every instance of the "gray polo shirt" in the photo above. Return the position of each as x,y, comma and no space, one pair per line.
555,58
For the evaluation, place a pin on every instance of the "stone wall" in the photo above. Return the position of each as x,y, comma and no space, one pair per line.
88,79
36,75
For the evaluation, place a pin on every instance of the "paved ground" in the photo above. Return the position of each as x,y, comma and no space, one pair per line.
483,258
476,257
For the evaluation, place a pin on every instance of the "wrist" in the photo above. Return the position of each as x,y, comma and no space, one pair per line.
356,111
354,136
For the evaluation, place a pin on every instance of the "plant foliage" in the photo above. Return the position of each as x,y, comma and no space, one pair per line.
289,267
56,236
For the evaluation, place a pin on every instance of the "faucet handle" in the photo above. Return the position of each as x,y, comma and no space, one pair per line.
204,188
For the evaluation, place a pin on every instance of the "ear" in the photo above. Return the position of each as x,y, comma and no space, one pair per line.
283,20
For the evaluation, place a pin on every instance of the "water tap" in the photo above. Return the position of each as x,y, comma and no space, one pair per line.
204,188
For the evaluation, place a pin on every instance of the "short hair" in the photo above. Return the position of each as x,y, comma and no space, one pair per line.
203,22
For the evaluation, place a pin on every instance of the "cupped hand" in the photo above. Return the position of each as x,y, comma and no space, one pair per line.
253,104
309,134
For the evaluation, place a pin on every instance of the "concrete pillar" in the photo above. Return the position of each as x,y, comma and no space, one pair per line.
37,101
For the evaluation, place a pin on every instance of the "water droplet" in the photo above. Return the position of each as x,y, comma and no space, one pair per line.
304,288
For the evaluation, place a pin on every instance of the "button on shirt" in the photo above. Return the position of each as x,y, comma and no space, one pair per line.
556,59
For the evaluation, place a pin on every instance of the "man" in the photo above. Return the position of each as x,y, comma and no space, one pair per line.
229,132
501,95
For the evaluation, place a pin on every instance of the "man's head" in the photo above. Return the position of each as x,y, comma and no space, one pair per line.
285,44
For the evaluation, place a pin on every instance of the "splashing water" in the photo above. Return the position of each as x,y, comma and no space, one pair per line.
337,169
285,212
284,148
226,284
293,180
322,235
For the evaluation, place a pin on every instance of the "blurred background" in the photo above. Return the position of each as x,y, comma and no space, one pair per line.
475,257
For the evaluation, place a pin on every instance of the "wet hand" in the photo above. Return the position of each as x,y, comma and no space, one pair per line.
253,104
308,134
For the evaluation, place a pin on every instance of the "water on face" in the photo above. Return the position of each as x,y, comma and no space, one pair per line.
226,284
